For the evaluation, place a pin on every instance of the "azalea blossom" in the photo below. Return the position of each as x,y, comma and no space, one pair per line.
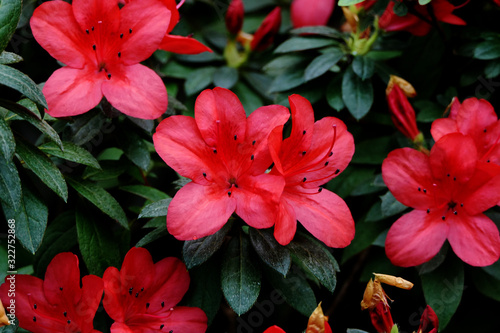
57,303
477,119
303,13
174,43
312,155
226,156
102,47
449,191
418,20
429,322
264,36
142,296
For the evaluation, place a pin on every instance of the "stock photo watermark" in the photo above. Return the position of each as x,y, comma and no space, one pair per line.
10,308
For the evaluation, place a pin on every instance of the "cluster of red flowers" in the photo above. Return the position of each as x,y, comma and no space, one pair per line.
140,298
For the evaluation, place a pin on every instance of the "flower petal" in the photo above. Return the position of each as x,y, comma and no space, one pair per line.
112,300
286,223
186,319
475,239
454,154
182,45
92,288
70,91
197,211
304,14
415,238
325,215
62,280
405,171
474,117
172,282
136,91
274,329
483,189
56,30
89,12
441,127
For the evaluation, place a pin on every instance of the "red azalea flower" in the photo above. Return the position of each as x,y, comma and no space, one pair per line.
226,156
174,43
318,322
419,25
381,318
274,329
142,296
449,191
497,2
429,322
304,13
58,303
312,155
234,17
264,36
476,118
102,47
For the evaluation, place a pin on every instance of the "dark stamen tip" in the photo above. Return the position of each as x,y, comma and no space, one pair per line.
147,305
425,191
320,189
162,304
34,318
419,189
428,210
229,193
121,35
130,290
326,163
454,178
87,31
61,288
136,294
461,205
161,326
303,153
337,171
448,175
109,76
304,132
129,31
119,54
204,175
34,306
488,161
65,313
92,28
484,130
331,153
304,180
455,212
235,137
443,218
252,157
215,151
69,321
253,142
94,47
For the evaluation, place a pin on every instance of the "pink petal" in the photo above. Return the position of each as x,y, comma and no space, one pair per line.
56,30
415,238
441,127
490,149
197,211
483,189
475,116
136,91
286,223
274,329
149,21
62,280
182,45
112,302
179,143
257,199
89,12
275,141
70,91
325,215
405,171
304,14
119,327
185,319
172,282
475,239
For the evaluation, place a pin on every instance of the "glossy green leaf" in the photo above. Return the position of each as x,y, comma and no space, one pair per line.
97,243
10,12
71,153
303,43
9,58
225,77
284,63
155,209
146,192
19,81
270,251
487,50
356,94
287,81
363,67
31,220
43,167
198,80
372,151
321,64
487,284
7,142
135,148
100,198
316,258
390,206
10,184
318,30
90,126
196,252
240,277
152,236
334,94
248,97
349,2
423,2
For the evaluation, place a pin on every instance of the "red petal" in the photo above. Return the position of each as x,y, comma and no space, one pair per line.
429,321
482,190
475,239
119,327
406,170
274,329
443,9
234,16
275,141
62,280
474,117
304,14
389,21
197,211
264,36
89,12
92,288
70,92
148,20
286,223
182,45
112,302
171,283
56,30
136,91
441,127
325,215
415,238
186,319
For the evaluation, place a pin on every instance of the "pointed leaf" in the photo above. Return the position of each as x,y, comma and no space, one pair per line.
357,94
9,58
135,149
198,80
390,206
363,67
152,236
10,12
10,184
21,82
334,94
270,251
158,208
71,153
146,192
225,77
303,43
7,143
321,64
349,2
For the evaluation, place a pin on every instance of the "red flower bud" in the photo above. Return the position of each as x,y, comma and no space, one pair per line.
381,318
264,36
429,322
234,16
305,13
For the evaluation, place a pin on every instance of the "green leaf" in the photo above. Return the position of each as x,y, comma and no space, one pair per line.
10,184
390,206
10,12
423,2
303,43
96,242
287,81
152,236
176,70
372,151
349,2
198,80
443,288
334,94
284,63
356,94
249,98
363,67
294,289
87,126
146,192
158,208
7,143
354,330
383,55
400,9
318,30
135,148
33,119
321,64
100,198
270,251
9,58
225,77
43,167
71,153
487,50
487,284
196,252
19,81
316,258
240,277
31,220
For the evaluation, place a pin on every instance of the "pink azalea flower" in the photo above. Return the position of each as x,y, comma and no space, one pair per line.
226,156
58,303
102,47
314,154
142,296
304,13
449,191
